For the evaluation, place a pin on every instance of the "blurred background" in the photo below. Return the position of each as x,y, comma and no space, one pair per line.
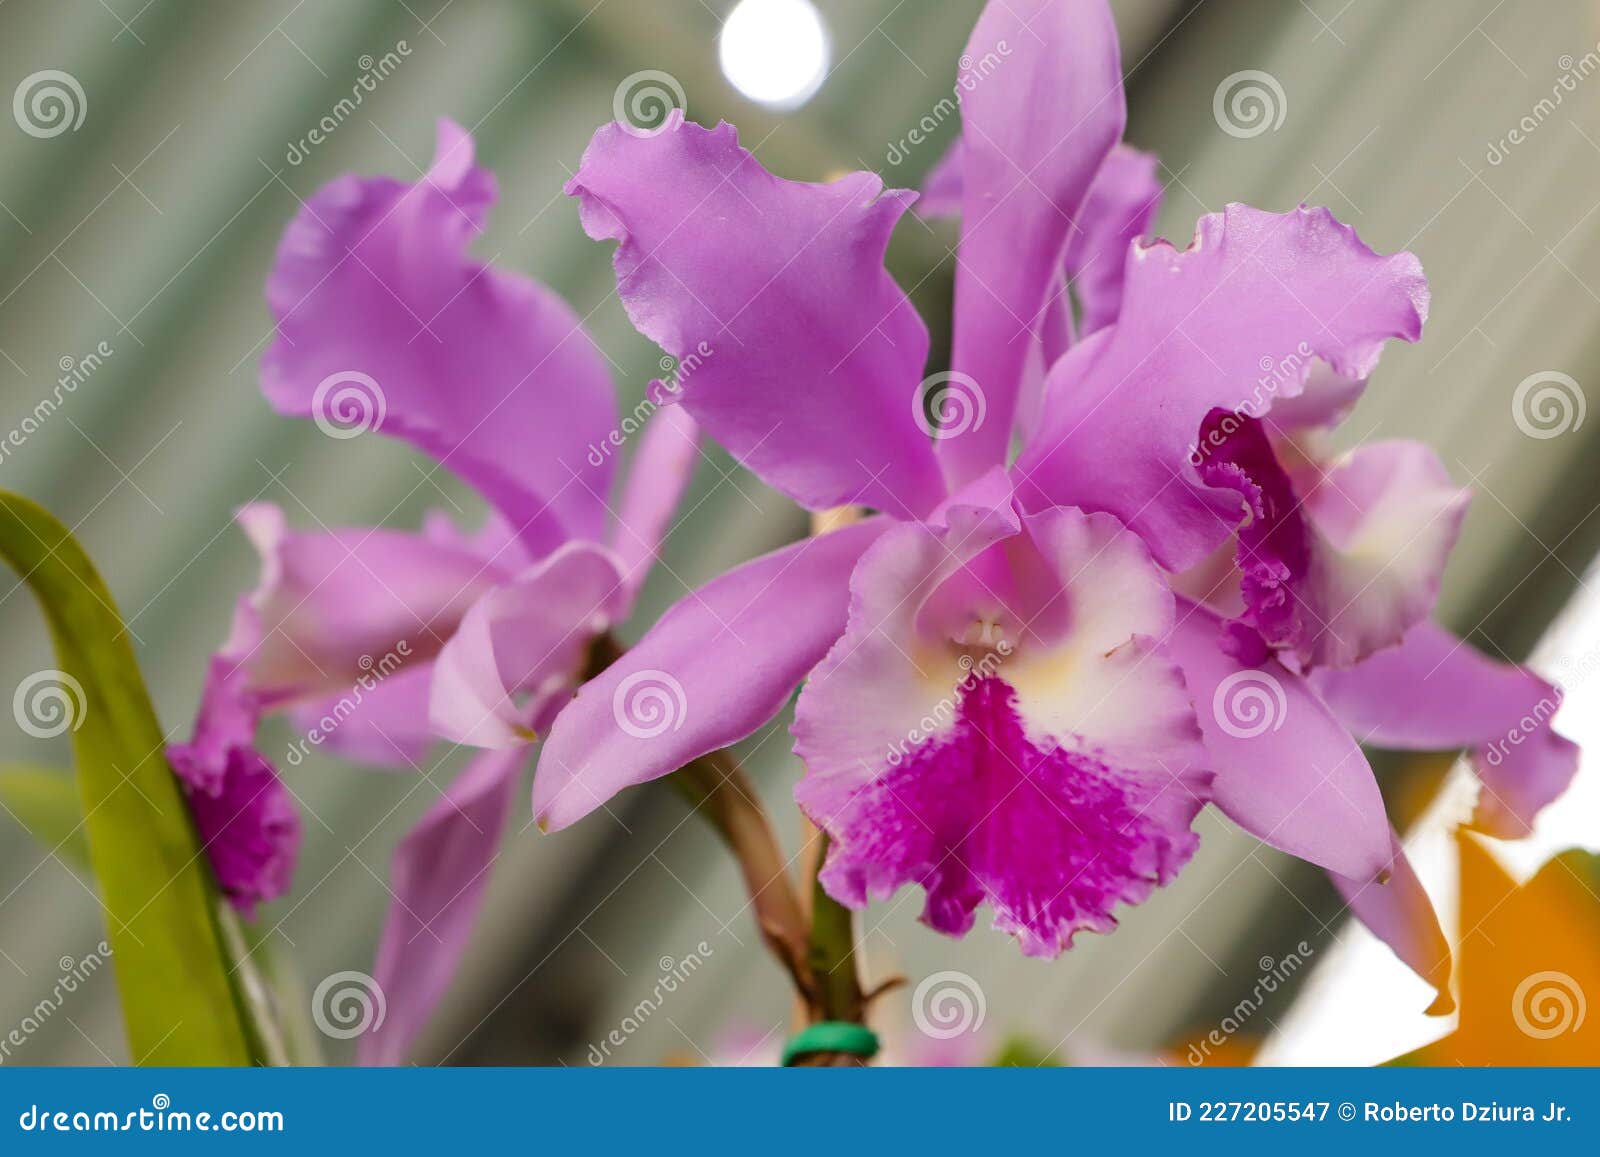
134,243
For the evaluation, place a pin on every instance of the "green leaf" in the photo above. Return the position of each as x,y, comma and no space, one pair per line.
284,999
45,801
180,1001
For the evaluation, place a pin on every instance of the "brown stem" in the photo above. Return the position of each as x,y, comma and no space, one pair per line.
810,933
717,788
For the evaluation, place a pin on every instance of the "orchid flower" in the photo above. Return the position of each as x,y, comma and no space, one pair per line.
374,641
1012,693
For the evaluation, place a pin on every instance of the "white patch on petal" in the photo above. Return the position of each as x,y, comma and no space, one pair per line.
1097,682
1388,516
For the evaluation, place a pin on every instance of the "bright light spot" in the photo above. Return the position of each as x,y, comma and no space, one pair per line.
776,52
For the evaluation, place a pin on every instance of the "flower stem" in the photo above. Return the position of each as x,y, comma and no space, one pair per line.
811,934
831,946
718,789
832,955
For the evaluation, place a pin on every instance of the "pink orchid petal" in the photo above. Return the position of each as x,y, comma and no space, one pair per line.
1325,401
1052,770
379,719
1255,299
1399,912
769,284
438,876
1287,771
248,824
1433,692
1335,563
716,666
230,711
1121,209
331,604
384,323
1387,516
1041,107
657,477
531,636
940,194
